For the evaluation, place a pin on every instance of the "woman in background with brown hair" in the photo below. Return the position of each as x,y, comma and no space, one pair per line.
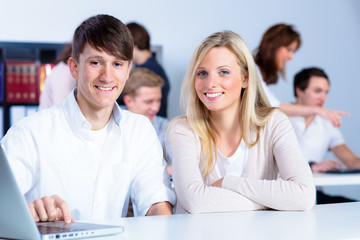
277,47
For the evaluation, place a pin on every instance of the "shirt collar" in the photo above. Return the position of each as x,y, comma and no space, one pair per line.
77,120
117,113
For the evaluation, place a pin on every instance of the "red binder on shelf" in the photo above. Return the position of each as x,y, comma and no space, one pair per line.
12,84
30,84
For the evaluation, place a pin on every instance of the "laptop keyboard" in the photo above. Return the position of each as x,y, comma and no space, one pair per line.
59,227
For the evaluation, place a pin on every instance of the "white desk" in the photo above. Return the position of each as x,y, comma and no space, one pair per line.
332,221
331,179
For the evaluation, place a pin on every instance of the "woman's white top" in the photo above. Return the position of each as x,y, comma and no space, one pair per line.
271,97
235,164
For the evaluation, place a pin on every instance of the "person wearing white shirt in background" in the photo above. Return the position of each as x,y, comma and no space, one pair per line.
59,83
142,95
317,135
277,47
85,157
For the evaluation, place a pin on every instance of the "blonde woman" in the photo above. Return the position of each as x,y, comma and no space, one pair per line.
232,151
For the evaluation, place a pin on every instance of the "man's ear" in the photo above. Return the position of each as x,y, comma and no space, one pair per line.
73,68
129,70
298,92
127,100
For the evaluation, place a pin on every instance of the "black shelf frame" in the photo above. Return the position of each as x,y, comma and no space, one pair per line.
39,52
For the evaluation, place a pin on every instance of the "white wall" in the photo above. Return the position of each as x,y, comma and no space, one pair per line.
330,31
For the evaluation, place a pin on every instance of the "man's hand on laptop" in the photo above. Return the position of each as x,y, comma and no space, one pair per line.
48,209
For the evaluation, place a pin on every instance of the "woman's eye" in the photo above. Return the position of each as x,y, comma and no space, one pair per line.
224,72
202,73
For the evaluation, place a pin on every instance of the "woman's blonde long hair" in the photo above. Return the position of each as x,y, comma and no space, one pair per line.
255,109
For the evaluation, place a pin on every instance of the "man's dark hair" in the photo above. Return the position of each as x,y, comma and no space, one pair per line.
140,35
64,55
106,33
301,79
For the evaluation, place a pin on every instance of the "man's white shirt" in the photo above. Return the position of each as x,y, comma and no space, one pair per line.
54,151
318,138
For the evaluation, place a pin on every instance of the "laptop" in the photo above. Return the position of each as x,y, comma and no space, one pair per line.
16,221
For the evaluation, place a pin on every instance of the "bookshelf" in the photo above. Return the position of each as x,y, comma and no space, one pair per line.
36,52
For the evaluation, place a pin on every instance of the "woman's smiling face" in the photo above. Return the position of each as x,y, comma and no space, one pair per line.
219,80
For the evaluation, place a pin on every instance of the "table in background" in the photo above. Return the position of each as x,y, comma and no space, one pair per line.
333,179
347,185
331,221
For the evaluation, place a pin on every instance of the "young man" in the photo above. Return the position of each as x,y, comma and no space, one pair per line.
85,157
142,95
143,58
317,135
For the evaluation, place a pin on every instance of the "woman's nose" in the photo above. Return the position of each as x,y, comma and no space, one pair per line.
211,81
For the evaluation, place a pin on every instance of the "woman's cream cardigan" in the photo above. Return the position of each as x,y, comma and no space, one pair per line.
276,175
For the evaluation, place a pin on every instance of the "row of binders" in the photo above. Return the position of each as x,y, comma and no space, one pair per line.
23,81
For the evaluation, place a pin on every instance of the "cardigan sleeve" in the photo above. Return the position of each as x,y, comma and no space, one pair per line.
294,189
192,193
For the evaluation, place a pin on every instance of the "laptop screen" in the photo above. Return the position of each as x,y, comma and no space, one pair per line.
16,220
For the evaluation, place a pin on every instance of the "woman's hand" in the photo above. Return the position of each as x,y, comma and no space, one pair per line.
332,115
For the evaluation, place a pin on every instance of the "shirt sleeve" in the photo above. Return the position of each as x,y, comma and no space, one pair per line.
271,97
274,101
151,181
337,138
294,189
194,195
21,153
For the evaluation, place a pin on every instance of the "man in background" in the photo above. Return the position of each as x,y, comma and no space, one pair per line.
317,135
144,58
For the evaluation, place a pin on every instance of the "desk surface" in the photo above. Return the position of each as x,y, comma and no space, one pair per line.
331,179
332,221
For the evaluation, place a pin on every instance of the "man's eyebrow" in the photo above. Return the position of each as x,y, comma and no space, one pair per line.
94,56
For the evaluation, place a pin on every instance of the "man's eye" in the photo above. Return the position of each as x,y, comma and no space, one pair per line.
118,64
95,63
